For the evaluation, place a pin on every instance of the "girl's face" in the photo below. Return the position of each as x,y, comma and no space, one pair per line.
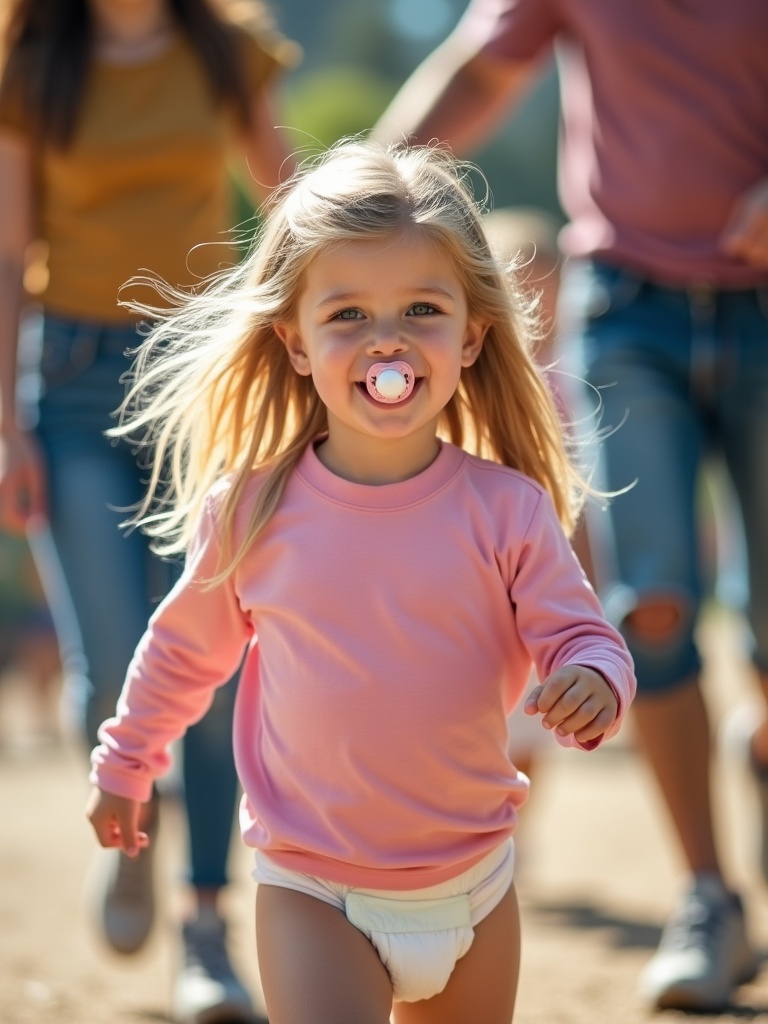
382,301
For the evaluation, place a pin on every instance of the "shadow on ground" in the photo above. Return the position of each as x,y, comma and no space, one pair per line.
622,932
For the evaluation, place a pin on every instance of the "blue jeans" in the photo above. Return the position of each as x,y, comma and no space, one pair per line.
680,374
113,579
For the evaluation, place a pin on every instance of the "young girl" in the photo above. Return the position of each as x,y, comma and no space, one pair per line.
389,588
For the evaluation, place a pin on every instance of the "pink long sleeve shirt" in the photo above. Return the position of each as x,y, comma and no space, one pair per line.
387,633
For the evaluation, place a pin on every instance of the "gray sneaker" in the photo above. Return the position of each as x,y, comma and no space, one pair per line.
703,954
207,990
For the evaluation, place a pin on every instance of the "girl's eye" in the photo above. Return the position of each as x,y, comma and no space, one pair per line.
422,309
348,314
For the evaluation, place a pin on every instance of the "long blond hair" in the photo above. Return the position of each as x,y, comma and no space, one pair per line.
214,393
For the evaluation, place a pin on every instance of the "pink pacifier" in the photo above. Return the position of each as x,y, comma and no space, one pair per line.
390,382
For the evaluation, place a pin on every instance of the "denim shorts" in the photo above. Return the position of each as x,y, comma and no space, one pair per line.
676,377
419,934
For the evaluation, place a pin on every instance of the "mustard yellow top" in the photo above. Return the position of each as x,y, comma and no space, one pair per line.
143,183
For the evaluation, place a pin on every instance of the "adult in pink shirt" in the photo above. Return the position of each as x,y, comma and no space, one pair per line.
389,589
664,176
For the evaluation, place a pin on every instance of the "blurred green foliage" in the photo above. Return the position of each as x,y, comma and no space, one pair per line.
332,103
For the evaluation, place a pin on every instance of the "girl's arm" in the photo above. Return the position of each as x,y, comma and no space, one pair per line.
21,472
194,643
582,660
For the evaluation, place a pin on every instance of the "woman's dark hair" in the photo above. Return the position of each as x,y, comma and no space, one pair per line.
48,50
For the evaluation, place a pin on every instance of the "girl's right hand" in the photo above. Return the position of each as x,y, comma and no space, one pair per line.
115,821
22,482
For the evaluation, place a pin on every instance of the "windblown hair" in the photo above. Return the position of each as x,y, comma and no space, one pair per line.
214,392
48,46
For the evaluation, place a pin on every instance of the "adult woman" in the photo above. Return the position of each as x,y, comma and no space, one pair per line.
117,119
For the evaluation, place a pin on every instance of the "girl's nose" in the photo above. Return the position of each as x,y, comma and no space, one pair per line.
387,340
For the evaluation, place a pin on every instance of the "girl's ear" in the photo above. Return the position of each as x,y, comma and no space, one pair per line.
291,338
473,342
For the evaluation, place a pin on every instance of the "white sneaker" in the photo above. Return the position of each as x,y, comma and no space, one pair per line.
207,990
703,954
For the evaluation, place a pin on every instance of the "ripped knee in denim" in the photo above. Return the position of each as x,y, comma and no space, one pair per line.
659,620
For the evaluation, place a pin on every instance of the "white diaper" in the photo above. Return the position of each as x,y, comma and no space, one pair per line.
419,941
420,934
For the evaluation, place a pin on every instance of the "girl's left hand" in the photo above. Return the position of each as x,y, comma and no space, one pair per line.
574,701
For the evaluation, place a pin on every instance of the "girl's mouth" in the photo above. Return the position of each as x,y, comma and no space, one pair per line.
390,383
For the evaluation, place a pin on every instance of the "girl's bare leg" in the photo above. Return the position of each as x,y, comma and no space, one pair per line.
483,985
314,965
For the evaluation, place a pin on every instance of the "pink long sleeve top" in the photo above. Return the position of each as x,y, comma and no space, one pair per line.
387,631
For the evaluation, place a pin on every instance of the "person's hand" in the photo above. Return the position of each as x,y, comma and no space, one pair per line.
115,821
746,233
574,701
22,482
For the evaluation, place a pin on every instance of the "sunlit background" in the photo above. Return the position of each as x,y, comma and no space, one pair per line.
356,54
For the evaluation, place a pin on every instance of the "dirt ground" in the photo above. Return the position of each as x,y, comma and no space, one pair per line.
598,874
